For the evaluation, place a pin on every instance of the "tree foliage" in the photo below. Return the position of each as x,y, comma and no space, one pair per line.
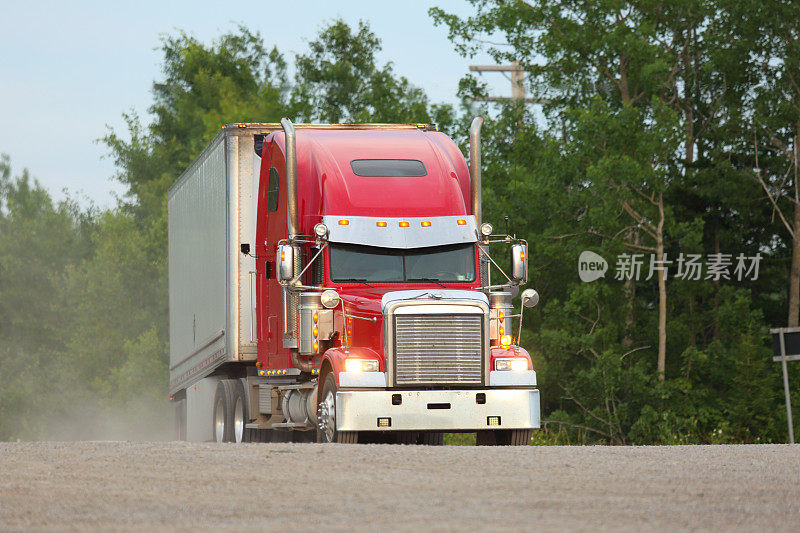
644,145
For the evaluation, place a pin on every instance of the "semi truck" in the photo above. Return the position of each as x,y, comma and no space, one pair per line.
332,283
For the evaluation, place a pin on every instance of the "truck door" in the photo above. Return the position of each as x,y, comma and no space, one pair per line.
273,290
266,212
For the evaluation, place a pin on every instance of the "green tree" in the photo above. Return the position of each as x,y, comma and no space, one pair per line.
235,79
340,80
40,241
638,149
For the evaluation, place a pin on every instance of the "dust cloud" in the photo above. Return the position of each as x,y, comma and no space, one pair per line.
140,419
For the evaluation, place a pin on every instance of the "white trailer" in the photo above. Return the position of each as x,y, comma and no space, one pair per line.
211,210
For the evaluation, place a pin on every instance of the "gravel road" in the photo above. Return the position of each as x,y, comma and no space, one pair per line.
160,486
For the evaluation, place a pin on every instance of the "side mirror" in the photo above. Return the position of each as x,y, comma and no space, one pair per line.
285,261
529,298
519,263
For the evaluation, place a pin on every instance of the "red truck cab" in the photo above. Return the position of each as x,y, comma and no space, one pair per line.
369,287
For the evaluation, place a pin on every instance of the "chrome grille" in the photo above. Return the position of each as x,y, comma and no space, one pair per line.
437,349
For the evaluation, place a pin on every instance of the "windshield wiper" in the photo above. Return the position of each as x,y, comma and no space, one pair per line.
356,280
432,280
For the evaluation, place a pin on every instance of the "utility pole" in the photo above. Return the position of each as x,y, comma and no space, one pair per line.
517,83
786,347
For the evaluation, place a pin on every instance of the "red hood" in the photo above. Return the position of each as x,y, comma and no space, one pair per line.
363,301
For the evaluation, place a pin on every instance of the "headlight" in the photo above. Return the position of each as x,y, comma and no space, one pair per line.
516,364
320,230
361,365
329,299
486,229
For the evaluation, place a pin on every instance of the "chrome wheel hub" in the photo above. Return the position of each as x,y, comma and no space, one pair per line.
327,416
219,422
238,420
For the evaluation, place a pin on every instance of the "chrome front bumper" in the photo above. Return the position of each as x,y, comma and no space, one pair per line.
443,410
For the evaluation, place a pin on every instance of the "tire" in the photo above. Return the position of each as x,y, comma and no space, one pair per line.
485,438
326,414
222,413
513,437
180,420
520,437
504,437
239,411
406,437
431,439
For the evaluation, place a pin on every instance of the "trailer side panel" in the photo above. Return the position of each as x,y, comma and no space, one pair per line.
198,268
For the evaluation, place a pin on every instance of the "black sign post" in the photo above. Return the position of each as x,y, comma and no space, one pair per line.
786,347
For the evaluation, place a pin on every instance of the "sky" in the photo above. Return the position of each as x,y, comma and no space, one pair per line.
69,70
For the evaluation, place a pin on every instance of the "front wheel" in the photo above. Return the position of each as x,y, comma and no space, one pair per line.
515,437
504,437
431,439
326,414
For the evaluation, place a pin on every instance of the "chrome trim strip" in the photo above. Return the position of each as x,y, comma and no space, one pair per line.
425,295
202,347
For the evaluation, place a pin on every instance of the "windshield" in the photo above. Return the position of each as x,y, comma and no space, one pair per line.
352,262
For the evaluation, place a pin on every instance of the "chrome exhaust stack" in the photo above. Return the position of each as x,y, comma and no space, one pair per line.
475,189
290,295
292,217
475,166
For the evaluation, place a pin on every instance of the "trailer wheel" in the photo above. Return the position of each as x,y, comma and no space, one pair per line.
239,411
223,412
326,414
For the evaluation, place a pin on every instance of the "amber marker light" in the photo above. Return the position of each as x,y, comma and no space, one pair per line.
316,346
381,224
426,224
316,317
505,341
404,224
316,331
462,222
344,222
283,255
